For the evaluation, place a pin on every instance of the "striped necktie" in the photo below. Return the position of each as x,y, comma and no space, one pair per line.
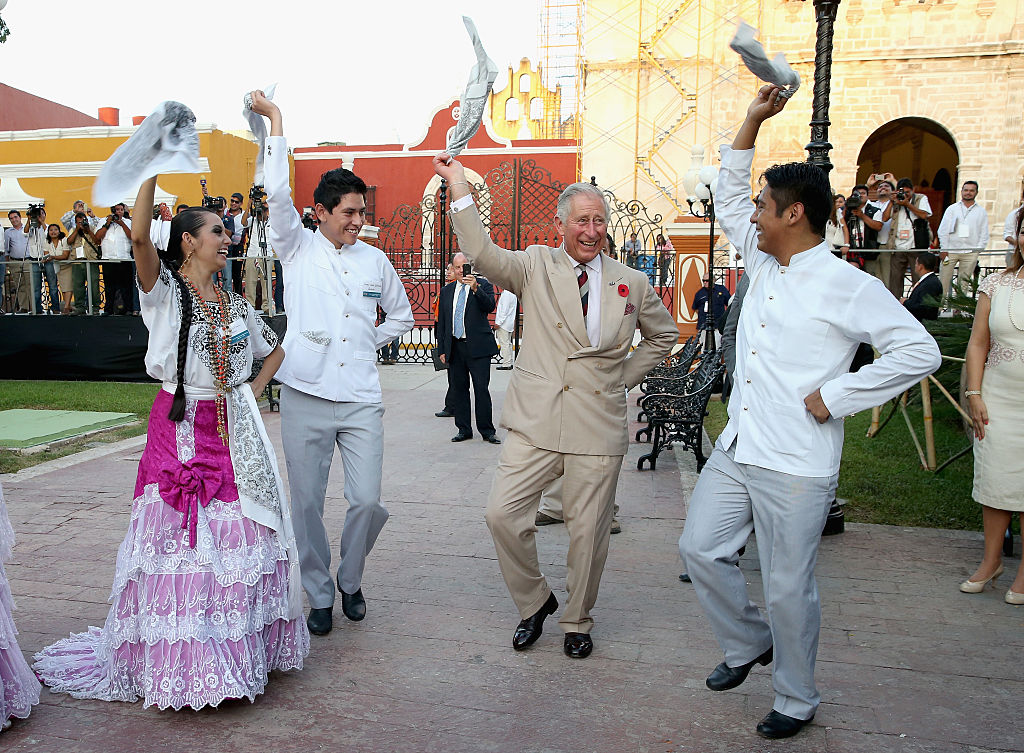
584,286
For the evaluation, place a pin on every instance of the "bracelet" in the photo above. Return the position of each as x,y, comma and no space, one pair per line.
459,183
972,393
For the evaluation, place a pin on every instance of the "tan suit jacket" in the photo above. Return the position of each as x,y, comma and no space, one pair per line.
567,395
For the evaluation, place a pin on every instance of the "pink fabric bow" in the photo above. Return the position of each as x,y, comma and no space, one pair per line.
186,487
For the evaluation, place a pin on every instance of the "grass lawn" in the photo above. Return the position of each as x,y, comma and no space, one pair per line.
881,479
119,397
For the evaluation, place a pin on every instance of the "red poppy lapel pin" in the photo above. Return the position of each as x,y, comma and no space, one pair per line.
623,290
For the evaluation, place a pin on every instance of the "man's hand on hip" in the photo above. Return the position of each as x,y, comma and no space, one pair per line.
817,407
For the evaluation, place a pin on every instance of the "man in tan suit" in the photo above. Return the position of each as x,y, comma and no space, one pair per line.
565,408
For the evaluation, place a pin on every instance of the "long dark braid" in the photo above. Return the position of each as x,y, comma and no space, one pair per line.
189,221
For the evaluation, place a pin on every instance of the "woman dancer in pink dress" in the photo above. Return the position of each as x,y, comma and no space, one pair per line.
19,688
206,597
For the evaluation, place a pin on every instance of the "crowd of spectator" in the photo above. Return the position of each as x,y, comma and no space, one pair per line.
886,226
84,264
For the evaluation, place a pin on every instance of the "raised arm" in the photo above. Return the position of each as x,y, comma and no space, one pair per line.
147,263
285,232
508,269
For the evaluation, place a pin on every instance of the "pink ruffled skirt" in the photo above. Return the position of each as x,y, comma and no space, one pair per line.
187,626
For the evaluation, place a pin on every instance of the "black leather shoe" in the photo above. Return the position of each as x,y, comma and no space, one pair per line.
353,605
320,621
776,725
492,439
578,645
685,578
529,630
725,677
461,437
445,414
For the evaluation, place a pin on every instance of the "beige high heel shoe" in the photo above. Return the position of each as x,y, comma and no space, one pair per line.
1012,597
977,586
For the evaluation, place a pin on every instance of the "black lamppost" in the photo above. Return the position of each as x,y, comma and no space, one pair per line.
704,188
819,147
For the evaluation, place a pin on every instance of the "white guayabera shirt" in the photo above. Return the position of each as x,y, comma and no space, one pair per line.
798,331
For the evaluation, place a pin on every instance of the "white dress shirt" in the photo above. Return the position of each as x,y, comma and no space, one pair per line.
798,330
331,295
116,244
15,243
883,234
1010,227
964,228
505,311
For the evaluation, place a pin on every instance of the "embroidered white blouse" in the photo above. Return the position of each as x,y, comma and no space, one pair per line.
161,312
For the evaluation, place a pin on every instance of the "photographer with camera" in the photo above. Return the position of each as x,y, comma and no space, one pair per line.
68,218
236,221
963,233
860,221
115,238
909,234
85,249
257,270
42,261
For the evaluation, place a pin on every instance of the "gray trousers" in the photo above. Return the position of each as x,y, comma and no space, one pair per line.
788,514
310,428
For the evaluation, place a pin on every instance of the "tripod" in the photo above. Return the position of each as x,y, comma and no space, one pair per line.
258,231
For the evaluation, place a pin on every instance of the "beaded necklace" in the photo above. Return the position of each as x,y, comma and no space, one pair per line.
219,349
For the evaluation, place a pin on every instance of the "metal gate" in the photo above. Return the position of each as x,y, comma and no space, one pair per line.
517,202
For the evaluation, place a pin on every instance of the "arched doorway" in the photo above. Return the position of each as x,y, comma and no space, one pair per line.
915,148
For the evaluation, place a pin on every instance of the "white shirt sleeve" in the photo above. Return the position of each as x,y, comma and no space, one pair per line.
733,207
285,234
395,302
908,352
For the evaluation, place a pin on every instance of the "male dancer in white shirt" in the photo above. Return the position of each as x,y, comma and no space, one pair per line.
774,468
331,393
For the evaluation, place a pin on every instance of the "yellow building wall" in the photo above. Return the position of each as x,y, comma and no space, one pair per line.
232,162
548,126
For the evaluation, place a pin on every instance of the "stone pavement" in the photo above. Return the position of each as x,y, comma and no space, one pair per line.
906,663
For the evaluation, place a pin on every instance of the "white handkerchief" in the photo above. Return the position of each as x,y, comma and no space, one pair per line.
165,142
776,71
258,126
474,98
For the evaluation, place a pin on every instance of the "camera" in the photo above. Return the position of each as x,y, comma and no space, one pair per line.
901,194
257,199
308,219
35,215
213,202
854,202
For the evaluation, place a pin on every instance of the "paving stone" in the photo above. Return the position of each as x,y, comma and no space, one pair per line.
906,662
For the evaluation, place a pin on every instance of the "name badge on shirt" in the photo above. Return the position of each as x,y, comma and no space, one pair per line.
905,235
372,289
963,230
239,331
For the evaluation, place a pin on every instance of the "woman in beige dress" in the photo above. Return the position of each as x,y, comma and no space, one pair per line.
60,253
995,375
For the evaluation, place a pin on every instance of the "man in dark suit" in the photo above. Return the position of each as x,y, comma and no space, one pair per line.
923,301
467,344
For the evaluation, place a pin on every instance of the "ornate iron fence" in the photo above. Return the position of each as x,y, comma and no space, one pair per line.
517,202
